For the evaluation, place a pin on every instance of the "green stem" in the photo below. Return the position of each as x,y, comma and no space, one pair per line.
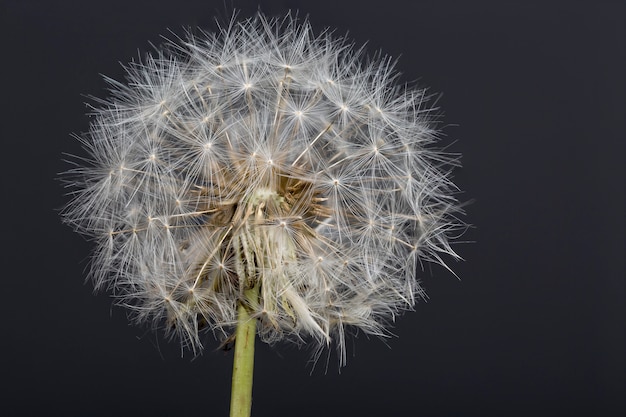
243,363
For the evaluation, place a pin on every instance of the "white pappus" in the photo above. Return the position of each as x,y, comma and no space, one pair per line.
264,156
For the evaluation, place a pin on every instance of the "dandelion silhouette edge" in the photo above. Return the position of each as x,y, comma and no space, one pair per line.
263,156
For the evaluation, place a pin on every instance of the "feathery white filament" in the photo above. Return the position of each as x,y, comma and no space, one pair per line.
263,155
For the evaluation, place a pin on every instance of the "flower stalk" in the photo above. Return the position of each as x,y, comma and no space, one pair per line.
243,362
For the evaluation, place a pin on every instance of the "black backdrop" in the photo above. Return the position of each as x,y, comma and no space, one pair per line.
534,94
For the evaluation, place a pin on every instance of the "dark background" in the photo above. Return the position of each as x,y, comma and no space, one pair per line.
533,92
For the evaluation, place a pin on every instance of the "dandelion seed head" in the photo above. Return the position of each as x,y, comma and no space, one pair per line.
264,156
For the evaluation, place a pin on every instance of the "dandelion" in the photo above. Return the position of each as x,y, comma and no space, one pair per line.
264,179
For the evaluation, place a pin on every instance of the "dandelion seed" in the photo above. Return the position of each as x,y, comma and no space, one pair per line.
265,171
